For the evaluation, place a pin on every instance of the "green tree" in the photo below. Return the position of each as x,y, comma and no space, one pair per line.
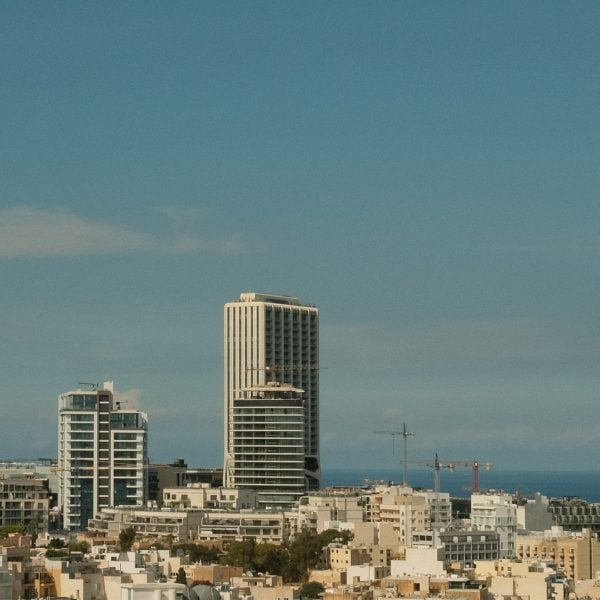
306,549
126,538
269,558
311,590
197,552
181,578
81,546
241,554
56,543
31,529
331,535
304,553
6,530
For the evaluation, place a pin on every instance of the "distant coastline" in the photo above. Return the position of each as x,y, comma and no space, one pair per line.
554,484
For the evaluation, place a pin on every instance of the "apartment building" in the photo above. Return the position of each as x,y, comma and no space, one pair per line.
406,511
268,427
102,454
24,499
573,514
577,554
496,512
177,525
269,338
264,526
202,495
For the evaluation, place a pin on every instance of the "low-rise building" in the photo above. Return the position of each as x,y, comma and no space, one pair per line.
152,591
317,510
530,579
533,514
577,554
470,546
203,496
178,526
6,578
367,572
24,499
213,574
178,474
263,526
573,514
425,586
420,561
339,557
18,556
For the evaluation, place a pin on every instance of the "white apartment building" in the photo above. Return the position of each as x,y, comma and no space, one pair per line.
268,441
102,454
496,512
271,338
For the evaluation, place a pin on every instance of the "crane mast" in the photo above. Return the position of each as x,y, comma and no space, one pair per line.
405,434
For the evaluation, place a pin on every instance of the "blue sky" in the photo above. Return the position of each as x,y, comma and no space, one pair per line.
424,172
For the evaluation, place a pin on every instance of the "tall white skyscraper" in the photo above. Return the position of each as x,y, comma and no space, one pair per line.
271,338
102,454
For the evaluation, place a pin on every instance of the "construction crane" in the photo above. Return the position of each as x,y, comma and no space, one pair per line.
405,435
438,465
453,464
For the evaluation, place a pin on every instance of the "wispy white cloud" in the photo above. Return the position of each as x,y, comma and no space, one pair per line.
31,232
26,231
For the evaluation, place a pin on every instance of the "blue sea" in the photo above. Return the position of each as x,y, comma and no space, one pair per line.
554,484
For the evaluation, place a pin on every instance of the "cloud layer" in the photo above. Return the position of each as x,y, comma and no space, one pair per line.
30,232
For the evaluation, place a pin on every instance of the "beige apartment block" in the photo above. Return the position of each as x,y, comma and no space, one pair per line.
151,591
577,554
178,526
328,577
18,556
203,496
24,498
280,592
419,586
588,588
406,513
270,527
6,579
361,591
214,574
317,510
339,558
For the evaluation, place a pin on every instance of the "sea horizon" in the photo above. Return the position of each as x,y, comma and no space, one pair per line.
583,484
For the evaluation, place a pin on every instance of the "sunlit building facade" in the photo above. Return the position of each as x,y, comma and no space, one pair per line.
269,339
102,454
